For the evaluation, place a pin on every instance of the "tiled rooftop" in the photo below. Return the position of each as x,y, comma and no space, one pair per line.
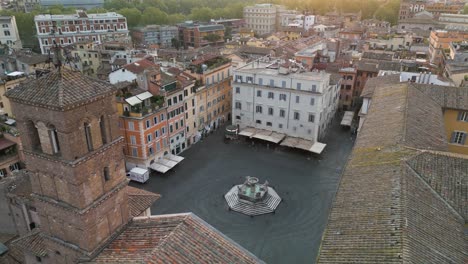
397,201
178,238
32,242
139,200
60,89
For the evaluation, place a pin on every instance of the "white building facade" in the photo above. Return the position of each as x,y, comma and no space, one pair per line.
289,101
297,21
9,34
68,29
262,18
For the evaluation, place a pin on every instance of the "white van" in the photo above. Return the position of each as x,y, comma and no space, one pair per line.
138,175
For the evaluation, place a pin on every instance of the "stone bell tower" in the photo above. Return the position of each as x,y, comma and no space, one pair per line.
73,152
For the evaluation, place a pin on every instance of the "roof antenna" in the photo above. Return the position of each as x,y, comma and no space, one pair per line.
57,60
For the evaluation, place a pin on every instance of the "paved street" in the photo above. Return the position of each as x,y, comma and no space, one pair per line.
306,184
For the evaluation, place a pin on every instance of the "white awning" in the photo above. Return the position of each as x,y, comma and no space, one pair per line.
248,132
15,73
159,167
300,143
174,158
10,122
317,147
347,118
167,162
133,100
144,96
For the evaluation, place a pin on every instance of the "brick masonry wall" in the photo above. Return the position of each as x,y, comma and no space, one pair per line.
73,180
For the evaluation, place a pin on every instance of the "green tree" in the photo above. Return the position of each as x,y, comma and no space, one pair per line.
153,15
173,19
202,14
153,3
212,37
116,4
175,43
389,12
133,16
465,9
228,33
96,10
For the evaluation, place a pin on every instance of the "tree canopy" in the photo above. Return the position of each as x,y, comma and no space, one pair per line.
145,12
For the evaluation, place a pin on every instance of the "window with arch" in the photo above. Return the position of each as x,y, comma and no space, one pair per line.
33,136
106,174
89,141
102,126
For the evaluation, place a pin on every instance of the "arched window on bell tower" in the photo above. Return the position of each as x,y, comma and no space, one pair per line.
34,141
102,125
54,140
89,140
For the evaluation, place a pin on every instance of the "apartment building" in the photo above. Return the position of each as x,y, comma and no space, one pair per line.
173,93
263,18
143,124
86,57
408,8
187,82
213,91
69,29
9,34
25,5
200,35
143,72
456,62
348,93
10,81
283,98
155,34
304,22
439,42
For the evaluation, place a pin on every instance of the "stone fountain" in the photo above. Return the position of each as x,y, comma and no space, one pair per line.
252,198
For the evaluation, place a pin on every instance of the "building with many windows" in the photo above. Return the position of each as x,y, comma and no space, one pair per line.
200,35
155,34
213,91
263,18
174,95
439,42
143,125
68,29
25,5
285,99
9,33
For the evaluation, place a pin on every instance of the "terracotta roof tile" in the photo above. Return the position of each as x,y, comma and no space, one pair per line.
394,204
139,200
375,82
179,238
32,242
140,66
60,89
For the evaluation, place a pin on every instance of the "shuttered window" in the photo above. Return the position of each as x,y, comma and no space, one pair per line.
462,116
458,137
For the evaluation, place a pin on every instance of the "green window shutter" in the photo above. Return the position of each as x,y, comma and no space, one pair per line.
463,139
